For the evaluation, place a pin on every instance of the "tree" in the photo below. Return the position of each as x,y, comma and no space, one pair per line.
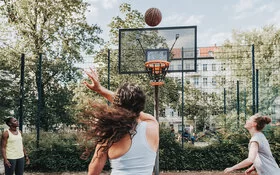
238,55
59,30
128,19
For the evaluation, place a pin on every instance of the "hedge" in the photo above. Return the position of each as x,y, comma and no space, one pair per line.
61,152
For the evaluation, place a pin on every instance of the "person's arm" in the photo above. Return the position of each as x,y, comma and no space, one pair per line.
254,147
96,86
98,161
4,140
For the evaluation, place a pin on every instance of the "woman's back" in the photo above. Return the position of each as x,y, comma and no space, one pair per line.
264,162
136,157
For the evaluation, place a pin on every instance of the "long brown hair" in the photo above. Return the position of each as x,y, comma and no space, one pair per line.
106,125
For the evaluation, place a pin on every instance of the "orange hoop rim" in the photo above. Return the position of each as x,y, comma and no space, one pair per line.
160,63
156,83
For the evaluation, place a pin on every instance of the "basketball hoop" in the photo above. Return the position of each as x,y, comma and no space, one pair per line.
157,70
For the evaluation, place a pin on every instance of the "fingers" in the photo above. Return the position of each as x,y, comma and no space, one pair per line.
8,164
93,75
87,85
227,170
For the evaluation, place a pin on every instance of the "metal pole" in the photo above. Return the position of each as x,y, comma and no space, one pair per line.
245,112
108,72
39,98
253,79
182,113
225,107
21,97
257,90
156,112
238,112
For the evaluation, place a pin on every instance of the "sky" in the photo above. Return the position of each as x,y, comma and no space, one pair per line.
215,19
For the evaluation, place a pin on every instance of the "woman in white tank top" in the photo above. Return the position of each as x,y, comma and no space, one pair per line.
122,133
13,152
260,157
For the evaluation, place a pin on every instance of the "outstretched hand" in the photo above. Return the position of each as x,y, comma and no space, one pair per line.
93,76
228,170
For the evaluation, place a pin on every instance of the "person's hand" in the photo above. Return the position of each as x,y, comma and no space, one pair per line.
228,170
249,170
7,163
27,160
95,84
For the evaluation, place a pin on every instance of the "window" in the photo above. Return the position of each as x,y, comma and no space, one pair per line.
213,81
179,66
223,80
223,66
210,53
198,53
195,81
188,52
213,67
204,81
204,67
188,66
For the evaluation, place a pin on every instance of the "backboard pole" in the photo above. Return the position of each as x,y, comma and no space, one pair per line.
156,111
182,113
108,72
21,97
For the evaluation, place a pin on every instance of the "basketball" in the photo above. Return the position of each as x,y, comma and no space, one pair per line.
153,17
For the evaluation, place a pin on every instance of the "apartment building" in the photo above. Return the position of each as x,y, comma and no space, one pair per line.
210,77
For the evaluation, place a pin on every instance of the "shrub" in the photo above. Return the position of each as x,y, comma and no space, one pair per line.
60,153
56,153
214,157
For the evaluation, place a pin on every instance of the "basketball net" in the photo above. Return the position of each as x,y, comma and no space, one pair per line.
157,70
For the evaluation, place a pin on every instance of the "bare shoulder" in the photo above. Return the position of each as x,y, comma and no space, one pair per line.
148,118
152,130
5,134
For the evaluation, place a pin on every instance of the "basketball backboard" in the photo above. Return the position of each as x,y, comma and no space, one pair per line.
173,44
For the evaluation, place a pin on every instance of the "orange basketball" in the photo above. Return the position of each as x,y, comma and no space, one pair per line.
153,17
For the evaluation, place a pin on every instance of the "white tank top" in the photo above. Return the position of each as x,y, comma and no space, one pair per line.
14,148
140,158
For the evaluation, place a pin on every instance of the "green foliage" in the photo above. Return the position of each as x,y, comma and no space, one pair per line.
214,157
58,30
8,94
56,153
60,152
237,56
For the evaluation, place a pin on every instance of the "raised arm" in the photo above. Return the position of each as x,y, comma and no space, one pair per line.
97,87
